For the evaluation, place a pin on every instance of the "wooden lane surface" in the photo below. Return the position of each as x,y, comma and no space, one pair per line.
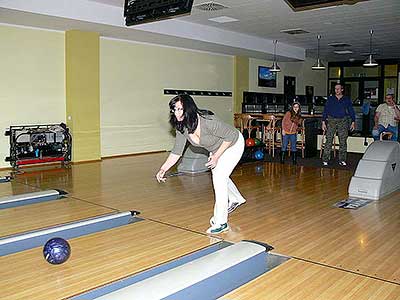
95,260
15,188
296,280
288,207
45,214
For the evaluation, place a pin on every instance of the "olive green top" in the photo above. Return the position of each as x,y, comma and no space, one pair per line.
213,132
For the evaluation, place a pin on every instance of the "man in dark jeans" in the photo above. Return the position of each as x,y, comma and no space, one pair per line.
338,111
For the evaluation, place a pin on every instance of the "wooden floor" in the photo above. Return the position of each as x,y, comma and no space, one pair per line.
337,253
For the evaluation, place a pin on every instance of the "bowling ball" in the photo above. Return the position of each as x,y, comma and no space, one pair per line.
259,155
250,142
56,251
259,169
257,142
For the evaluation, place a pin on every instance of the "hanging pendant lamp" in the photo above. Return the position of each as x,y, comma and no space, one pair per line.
319,65
370,62
275,67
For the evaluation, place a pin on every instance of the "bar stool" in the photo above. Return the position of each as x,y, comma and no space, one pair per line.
271,134
323,141
267,126
247,124
386,135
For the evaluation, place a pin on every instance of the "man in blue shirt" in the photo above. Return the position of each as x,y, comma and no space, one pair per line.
338,111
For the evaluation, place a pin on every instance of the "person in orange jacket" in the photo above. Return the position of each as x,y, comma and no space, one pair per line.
290,125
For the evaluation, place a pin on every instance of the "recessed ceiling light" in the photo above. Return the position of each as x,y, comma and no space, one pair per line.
342,52
295,31
339,45
223,19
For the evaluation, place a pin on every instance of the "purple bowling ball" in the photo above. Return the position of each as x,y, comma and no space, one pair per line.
56,251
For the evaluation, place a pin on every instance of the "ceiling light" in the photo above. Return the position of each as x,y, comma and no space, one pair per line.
342,52
294,31
319,65
370,62
223,19
275,67
339,45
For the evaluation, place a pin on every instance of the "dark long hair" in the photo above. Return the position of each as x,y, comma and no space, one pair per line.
190,113
293,115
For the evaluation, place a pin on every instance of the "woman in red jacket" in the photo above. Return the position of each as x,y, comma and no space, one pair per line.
290,124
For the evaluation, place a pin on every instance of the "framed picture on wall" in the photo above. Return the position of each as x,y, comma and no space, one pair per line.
266,78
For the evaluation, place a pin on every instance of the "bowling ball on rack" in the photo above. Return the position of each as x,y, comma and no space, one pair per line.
257,142
56,251
250,142
259,155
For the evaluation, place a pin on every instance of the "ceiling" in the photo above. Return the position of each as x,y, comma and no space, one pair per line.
259,23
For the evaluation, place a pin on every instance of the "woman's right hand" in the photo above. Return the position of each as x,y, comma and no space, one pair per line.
323,126
161,175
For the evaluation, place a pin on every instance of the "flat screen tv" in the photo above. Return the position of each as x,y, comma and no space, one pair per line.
145,11
266,78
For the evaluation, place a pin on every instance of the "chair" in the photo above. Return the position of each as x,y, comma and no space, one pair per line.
334,144
386,135
271,133
248,124
237,121
268,126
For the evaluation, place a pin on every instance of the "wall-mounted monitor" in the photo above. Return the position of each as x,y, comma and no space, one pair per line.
266,78
145,11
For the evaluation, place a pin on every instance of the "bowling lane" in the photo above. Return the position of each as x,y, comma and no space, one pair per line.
95,260
42,215
15,188
297,279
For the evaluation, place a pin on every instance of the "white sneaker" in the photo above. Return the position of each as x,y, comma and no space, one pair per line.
325,163
342,163
219,229
212,223
232,206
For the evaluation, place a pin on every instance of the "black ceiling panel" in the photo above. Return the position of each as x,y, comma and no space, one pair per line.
298,5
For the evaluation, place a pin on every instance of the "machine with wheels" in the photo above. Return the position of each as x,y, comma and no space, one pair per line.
32,144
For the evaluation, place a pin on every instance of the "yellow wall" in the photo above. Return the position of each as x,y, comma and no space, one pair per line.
31,80
133,76
82,93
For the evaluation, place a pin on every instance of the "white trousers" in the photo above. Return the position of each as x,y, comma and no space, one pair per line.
224,189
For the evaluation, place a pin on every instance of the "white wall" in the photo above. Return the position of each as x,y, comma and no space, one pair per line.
301,70
32,81
133,76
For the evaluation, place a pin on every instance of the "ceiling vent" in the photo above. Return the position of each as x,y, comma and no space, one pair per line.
295,31
210,6
339,45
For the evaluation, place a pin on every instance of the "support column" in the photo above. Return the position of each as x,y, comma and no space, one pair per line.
83,93
241,81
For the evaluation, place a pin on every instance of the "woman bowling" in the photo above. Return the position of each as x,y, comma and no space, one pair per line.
225,144
290,125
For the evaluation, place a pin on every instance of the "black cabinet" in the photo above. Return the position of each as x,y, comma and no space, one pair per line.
311,126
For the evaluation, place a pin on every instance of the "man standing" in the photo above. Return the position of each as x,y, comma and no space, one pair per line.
337,111
387,117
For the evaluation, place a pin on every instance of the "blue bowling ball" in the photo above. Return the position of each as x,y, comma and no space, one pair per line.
56,251
259,155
